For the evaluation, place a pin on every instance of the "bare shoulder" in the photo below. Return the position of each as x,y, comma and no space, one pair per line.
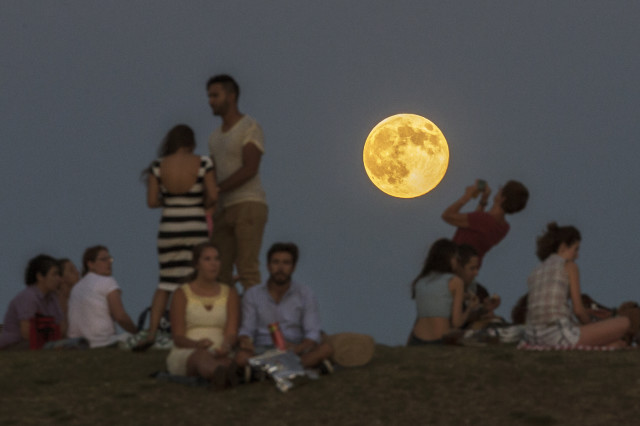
572,270
455,283
571,266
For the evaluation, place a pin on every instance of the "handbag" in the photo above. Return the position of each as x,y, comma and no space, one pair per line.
42,329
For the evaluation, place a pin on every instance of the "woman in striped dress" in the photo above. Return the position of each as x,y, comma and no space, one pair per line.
183,185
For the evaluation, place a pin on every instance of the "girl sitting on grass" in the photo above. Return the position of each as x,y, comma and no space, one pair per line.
556,280
96,302
204,323
439,296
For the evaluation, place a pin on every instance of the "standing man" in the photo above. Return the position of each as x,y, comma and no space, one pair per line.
290,304
236,148
484,229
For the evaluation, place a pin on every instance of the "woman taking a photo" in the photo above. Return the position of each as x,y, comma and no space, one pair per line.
439,296
183,185
204,322
551,285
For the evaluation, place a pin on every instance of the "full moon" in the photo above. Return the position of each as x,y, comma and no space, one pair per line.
406,155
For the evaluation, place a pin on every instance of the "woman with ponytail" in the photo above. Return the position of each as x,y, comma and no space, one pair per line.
551,285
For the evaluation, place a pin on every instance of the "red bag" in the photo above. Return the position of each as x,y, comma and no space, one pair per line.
43,329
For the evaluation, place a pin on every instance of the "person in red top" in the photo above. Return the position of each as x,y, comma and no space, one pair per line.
484,229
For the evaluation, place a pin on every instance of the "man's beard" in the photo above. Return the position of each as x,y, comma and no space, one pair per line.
222,110
280,279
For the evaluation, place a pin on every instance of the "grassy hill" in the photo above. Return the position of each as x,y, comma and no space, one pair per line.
496,385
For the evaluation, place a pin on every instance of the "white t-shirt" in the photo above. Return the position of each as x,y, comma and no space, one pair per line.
89,315
226,152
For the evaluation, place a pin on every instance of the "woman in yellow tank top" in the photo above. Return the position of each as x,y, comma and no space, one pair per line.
204,322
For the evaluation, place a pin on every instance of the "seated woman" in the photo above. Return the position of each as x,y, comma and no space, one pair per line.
467,268
439,296
551,284
42,277
70,276
95,301
204,322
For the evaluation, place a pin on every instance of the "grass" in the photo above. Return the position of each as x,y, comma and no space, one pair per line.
446,385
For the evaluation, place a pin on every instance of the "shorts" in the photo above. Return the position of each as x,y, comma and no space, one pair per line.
561,332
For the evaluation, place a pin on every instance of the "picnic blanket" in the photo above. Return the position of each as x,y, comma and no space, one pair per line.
529,347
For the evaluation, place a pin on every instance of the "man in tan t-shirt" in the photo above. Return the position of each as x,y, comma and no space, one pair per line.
236,148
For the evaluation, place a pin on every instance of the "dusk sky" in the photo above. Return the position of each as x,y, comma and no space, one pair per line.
547,93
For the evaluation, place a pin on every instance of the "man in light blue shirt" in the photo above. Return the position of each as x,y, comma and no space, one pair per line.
290,304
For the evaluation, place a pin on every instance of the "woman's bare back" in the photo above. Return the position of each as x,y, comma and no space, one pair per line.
179,172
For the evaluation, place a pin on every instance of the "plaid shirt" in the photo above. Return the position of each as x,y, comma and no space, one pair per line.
548,292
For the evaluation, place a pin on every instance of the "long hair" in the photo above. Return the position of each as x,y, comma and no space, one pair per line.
438,260
549,242
180,136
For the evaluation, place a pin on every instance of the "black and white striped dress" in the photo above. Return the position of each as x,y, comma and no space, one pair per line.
183,226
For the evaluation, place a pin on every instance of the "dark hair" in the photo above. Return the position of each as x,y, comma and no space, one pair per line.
90,255
196,253
550,241
438,260
515,196
180,136
229,84
41,264
290,248
177,137
62,262
465,253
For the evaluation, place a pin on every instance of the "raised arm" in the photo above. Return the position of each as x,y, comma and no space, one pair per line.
251,156
484,199
452,214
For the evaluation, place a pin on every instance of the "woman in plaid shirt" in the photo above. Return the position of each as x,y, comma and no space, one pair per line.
551,285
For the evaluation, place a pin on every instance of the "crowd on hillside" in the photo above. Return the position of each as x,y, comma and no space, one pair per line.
213,217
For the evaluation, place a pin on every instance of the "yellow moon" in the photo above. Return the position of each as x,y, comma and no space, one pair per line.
406,155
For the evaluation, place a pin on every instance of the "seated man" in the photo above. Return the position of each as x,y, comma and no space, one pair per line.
290,304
